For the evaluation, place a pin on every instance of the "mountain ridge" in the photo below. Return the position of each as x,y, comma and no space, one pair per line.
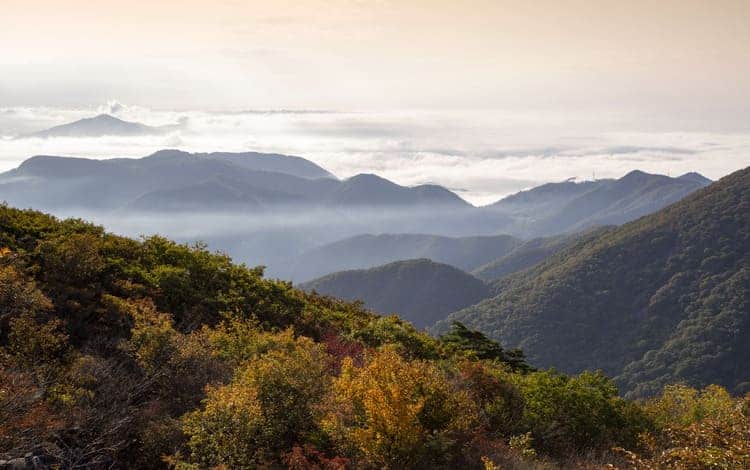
292,179
624,299
569,206
100,126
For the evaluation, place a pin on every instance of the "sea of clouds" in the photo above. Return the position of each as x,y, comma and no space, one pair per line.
482,155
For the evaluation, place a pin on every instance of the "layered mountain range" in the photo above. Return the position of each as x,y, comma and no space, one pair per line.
175,180
297,218
662,298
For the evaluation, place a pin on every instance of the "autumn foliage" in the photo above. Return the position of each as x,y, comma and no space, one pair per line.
147,354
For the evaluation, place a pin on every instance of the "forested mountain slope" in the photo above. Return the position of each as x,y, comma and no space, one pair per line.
121,353
523,256
663,299
420,291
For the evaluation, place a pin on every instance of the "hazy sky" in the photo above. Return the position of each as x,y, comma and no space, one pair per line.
484,97
678,58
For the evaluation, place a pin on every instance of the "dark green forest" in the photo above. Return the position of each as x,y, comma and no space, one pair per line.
661,300
419,290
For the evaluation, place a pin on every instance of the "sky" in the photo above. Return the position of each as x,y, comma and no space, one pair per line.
484,97
666,57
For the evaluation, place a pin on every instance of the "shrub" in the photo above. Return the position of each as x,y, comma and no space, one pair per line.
266,409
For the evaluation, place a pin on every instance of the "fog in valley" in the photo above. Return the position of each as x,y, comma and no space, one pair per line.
427,173
278,238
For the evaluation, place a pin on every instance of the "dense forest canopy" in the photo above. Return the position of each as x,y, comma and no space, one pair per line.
660,300
146,354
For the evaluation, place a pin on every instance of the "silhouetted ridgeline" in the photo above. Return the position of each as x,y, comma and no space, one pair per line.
172,180
286,212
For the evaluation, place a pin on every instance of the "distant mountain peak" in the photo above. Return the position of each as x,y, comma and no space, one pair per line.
695,177
369,189
639,176
104,117
102,125
568,207
367,178
636,173
168,154
269,162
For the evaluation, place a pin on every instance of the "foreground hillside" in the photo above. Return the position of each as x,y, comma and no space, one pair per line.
116,353
420,291
660,300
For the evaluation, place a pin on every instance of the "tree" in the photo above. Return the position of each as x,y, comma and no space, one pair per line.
696,429
265,410
569,414
475,343
394,413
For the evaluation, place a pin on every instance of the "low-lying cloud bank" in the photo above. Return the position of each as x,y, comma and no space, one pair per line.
482,155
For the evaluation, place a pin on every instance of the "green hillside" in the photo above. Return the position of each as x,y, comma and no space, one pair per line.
117,353
420,291
660,300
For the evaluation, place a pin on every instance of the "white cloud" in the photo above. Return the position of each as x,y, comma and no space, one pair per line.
482,155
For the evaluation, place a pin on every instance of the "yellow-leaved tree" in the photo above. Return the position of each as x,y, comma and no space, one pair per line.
395,413
263,412
705,428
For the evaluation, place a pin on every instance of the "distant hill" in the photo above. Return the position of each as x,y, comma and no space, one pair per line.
570,206
270,162
220,182
663,299
366,251
178,180
102,125
273,209
420,291
372,190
